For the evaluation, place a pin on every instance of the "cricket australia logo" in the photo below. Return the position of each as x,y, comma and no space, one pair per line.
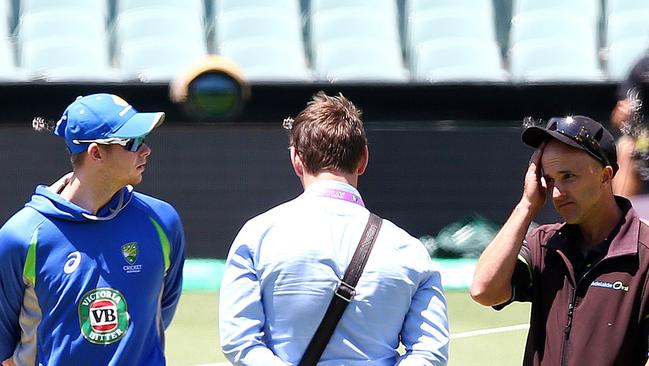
129,252
103,316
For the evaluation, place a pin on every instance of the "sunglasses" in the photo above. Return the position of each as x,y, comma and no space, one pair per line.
568,128
130,144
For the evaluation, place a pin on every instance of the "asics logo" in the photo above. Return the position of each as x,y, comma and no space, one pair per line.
71,265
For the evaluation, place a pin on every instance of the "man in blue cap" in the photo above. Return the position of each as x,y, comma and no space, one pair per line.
90,270
586,278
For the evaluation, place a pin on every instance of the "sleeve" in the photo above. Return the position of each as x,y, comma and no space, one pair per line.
241,312
173,277
522,279
425,333
635,77
12,288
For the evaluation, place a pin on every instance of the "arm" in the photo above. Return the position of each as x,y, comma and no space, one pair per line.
492,279
241,312
173,278
425,329
12,288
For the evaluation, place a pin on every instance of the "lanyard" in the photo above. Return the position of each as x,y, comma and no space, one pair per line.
342,195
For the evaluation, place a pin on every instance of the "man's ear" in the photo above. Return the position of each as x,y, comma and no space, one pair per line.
296,161
95,153
362,163
607,175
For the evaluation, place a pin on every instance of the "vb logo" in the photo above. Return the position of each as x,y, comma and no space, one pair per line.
103,316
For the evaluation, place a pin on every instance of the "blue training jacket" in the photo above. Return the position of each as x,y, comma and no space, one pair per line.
83,289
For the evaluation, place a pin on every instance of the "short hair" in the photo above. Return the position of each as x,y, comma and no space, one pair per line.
328,134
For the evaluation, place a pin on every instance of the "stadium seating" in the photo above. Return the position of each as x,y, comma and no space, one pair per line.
262,60
349,60
550,26
623,54
43,24
457,59
448,23
94,7
484,7
258,23
627,24
67,59
285,6
387,7
8,70
589,10
614,6
196,7
158,59
338,24
554,60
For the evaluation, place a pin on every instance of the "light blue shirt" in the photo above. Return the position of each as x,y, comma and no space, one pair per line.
281,273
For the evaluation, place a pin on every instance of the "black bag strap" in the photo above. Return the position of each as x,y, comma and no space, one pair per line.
343,294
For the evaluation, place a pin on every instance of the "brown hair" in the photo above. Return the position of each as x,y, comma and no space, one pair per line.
328,134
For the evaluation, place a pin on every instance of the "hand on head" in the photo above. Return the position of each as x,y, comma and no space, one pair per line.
535,189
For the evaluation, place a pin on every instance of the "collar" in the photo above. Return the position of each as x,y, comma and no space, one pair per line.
323,188
624,241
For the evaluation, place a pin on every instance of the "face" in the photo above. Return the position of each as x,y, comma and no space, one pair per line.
576,181
125,167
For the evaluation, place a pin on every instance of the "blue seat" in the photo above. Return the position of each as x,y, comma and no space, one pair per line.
553,26
139,24
99,7
350,60
340,24
554,60
158,59
627,24
448,23
258,23
588,10
44,24
69,59
460,59
268,59
623,54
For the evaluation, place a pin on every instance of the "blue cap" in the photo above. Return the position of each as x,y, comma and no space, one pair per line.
103,116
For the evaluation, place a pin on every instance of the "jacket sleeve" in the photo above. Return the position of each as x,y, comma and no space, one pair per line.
173,278
425,333
241,312
12,288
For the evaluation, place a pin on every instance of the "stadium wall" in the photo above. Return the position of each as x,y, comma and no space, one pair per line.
437,153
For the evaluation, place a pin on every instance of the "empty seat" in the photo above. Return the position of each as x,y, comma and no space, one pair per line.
627,24
258,23
195,7
158,59
614,6
554,60
340,24
8,69
623,54
484,7
548,25
586,9
139,24
457,59
67,59
349,60
268,59
99,7
383,6
448,23
44,24
225,6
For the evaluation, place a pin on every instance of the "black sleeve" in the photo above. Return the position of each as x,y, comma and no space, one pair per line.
521,279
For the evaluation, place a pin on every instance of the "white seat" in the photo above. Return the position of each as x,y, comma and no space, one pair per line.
268,59
554,60
44,24
548,25
623,54
258,23
457,59
196,7
99,7
588,10
158,59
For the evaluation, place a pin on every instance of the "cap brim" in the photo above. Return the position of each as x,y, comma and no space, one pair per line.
535,136
140,124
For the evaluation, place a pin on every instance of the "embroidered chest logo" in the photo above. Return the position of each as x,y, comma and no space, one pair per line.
103,316
71,265
130,253
617,285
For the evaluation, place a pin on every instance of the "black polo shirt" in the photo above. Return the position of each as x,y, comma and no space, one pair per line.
586,310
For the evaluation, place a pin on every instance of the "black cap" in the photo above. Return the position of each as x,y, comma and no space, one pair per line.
577,131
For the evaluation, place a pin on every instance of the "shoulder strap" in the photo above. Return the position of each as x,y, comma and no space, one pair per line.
343,294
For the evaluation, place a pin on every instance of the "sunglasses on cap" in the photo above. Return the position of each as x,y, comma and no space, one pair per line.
578,133
129,144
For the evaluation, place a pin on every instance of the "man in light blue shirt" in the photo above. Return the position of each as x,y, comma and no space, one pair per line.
284,264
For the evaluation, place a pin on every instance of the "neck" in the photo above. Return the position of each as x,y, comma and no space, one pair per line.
88,192
308,179
597,228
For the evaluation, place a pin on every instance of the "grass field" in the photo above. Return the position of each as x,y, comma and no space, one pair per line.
192,339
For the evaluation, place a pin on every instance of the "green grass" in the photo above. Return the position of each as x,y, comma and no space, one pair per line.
193,336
